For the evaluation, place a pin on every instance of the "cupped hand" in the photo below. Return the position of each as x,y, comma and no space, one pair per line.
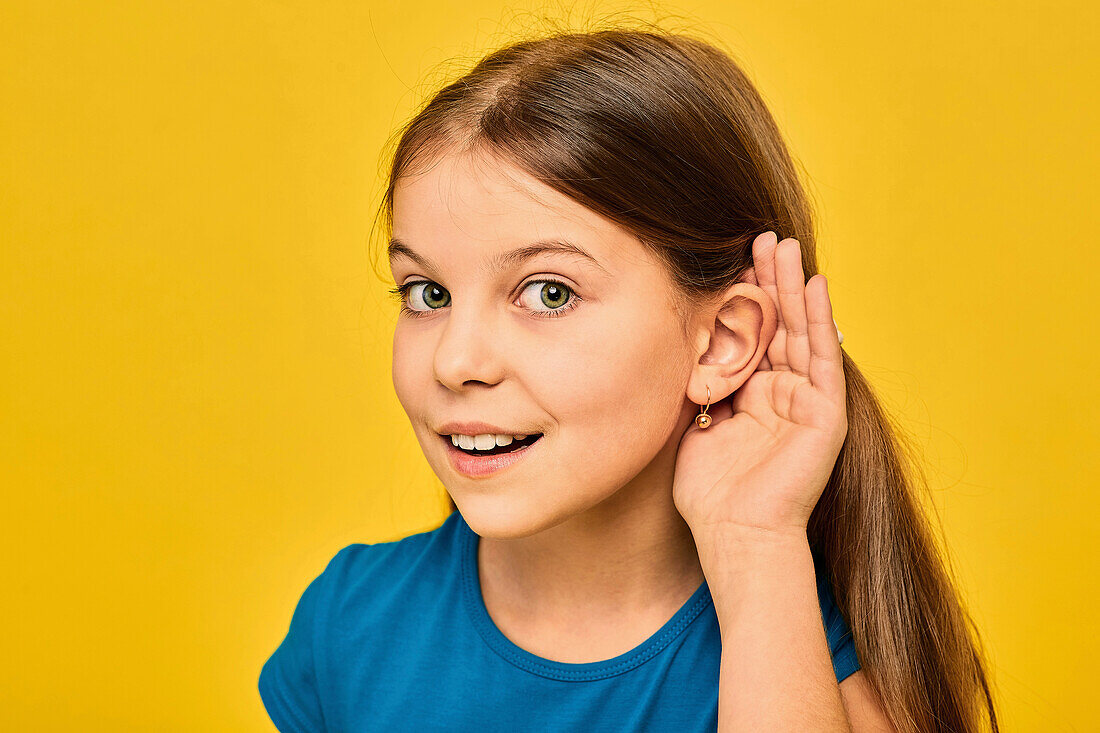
762,464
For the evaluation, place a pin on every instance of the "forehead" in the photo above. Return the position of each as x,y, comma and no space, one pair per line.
474,203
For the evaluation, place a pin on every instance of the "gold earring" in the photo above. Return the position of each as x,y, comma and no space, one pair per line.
703,419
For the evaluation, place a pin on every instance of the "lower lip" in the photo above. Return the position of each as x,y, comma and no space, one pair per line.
477,466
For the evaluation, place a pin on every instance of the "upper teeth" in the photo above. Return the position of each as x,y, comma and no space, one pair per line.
485,441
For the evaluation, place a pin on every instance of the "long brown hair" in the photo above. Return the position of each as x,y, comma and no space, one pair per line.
664,134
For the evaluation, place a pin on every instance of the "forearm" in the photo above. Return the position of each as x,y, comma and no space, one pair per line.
776,671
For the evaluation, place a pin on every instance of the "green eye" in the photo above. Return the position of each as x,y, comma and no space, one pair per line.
552,294
558,297
434,295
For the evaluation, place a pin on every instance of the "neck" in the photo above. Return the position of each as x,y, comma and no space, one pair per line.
633,552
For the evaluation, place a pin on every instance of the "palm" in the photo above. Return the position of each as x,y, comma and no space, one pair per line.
764,460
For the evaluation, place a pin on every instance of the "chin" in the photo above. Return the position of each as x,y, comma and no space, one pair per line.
501,519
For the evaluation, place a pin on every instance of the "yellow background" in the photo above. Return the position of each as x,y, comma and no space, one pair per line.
197,409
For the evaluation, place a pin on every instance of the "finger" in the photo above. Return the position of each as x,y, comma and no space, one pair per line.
750,277
763,254
791,284
826,361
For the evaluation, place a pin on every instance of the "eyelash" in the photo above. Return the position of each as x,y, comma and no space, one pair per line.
401,294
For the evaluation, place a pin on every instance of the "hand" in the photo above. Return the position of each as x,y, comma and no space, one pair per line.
761,465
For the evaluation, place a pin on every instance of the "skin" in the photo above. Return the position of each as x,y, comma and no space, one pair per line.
593,525
585,524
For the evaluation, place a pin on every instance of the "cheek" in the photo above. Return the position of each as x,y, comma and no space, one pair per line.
621,383
404,374
615,412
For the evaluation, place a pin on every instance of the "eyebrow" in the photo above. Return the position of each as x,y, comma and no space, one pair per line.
503,261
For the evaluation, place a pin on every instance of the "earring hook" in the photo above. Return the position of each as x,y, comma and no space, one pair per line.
703,420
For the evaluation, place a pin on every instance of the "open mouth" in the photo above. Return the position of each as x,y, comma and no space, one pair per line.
515,445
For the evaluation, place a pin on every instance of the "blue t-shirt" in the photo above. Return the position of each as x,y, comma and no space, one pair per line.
395,637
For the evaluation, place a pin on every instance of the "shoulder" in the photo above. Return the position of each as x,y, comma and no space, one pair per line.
335,622
374,573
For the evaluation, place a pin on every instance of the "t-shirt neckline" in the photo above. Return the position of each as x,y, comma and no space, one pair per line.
520,657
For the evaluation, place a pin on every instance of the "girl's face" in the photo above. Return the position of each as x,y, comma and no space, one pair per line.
594,360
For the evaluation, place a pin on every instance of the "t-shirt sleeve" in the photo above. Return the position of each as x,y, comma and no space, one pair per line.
841,643
288,679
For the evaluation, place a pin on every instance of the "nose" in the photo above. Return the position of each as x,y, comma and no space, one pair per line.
468,348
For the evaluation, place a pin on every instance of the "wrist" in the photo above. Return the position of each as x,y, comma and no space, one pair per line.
743,548
749,535
743,570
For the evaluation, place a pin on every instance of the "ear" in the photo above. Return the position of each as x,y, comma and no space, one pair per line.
732,338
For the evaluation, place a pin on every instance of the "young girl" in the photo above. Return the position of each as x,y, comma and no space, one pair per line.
678,505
